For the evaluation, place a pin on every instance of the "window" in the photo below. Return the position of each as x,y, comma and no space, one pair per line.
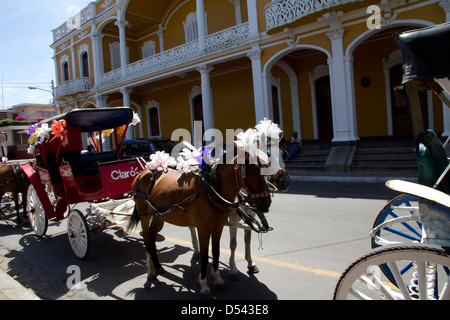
85,64
66,71
154,121
148,49
152,109
191,27
114,51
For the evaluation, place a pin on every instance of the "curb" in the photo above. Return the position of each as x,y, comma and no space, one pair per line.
11,289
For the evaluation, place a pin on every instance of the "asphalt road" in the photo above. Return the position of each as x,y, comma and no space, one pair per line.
319,228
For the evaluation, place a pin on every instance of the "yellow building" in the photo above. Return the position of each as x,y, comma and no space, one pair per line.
328,69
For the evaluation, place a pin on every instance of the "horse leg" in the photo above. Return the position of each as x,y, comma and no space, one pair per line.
233,275
194,238
24,204
214,273
153,266
145,223
1,197
252,268
16,204
202,282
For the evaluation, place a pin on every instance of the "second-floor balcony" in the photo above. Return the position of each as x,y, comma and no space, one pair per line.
283,12
215,42
73,86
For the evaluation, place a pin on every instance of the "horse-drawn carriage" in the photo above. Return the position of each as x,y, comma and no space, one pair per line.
411,235
195,191
66,173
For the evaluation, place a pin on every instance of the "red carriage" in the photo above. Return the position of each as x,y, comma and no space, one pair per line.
65,174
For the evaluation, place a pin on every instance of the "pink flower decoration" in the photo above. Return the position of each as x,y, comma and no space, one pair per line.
161,160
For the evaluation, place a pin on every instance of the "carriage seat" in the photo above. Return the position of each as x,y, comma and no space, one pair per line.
432,161
87,164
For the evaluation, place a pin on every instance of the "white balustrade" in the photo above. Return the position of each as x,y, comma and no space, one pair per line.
73,86
281,12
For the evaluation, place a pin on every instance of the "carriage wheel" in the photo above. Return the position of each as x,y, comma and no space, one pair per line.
398,222
428,278
36,214
78,233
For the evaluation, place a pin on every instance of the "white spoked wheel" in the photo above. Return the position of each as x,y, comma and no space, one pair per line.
420,272
36,214
78,233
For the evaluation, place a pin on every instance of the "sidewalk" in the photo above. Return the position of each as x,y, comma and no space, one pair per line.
10,289
369,177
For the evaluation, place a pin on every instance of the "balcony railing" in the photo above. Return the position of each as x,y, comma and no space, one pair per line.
75,22
169,58
73,86
282,12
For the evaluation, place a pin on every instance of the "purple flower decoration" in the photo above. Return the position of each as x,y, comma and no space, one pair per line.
205,153
32,129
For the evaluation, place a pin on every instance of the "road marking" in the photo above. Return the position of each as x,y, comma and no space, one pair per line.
264,260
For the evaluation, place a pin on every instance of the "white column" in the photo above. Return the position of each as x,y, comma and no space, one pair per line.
237,10
96,42
343,124
252,9
160,34
295,107
207,103
100,100
74,62
350,86
261,111
127,103
312,86
55,61
201,25
123,46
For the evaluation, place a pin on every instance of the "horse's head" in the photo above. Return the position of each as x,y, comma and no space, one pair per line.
250,181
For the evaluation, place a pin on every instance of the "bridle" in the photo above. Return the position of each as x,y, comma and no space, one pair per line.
240,177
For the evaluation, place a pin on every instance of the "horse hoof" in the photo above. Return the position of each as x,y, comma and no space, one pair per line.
152,277
220,286
160,270
206,294
233,276
253,269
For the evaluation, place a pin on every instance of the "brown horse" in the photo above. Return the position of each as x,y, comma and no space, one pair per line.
203,201
14,180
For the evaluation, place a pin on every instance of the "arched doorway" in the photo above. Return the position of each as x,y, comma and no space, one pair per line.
324,111
400,109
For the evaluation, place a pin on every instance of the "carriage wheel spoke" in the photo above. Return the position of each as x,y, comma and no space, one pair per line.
399,280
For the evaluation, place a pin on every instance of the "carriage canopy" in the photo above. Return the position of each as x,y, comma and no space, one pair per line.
90,120
425,53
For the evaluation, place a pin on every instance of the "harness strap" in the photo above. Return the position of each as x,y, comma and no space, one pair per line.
155,211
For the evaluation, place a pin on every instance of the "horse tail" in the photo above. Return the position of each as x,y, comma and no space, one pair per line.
133,221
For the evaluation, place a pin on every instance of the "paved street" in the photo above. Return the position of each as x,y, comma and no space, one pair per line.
319,228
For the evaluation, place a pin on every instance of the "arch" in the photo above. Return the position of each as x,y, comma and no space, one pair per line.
88,104
370,32
276,60
387,62
105,22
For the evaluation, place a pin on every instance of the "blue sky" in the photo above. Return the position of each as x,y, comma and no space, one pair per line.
25,54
